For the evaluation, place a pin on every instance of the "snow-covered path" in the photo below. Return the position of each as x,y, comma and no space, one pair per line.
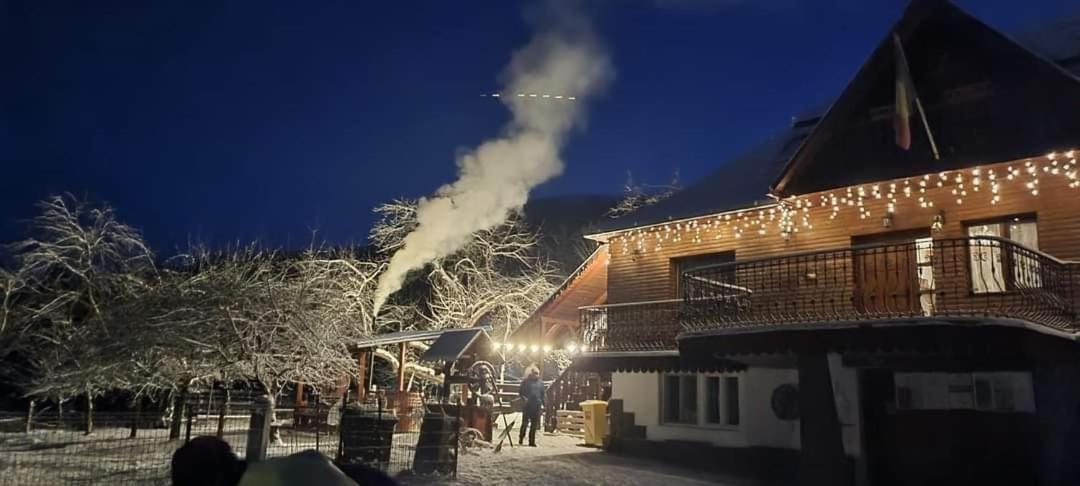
561,460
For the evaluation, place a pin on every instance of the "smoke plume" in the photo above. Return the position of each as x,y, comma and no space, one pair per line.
494,179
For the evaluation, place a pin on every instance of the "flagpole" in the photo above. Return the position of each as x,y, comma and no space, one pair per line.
915,94
926,126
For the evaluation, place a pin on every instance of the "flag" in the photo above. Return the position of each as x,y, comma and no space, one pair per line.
905,97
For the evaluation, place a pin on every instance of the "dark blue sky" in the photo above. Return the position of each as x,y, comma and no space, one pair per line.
267,119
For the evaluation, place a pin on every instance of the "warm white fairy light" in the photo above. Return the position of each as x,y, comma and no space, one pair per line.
980,185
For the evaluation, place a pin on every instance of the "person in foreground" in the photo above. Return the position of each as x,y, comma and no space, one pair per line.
532,390
210,461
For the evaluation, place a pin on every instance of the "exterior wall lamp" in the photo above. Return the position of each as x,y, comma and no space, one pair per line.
938,222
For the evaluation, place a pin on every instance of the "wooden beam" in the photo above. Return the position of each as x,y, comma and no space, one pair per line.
401,369
361,388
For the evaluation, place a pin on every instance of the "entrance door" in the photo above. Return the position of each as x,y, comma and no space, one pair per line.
893,273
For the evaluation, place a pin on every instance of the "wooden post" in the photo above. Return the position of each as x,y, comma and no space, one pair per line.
361,389
179,400
136,407
259,430
89,412
401,369
30,417
540,365
222,413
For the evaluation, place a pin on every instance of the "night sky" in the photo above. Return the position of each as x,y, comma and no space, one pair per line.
270,119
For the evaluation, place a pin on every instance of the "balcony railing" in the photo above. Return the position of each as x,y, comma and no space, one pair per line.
976,277
638,326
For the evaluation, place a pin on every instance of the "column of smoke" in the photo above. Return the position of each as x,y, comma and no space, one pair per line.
495,178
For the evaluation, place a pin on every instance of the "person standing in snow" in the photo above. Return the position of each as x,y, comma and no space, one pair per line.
532,391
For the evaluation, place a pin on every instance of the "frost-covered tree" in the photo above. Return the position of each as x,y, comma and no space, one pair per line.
78,262
636,196
496,278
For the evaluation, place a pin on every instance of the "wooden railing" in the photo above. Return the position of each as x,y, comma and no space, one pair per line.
638,326
568,390
975,277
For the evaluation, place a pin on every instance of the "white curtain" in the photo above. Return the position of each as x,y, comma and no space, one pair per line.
1026,268
986,259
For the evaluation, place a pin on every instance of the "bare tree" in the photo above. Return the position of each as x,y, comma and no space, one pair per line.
497,277
637,196
78,261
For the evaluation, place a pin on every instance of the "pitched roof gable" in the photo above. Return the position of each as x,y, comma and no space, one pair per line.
987,99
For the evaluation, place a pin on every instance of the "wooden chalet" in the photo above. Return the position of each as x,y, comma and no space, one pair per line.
833,309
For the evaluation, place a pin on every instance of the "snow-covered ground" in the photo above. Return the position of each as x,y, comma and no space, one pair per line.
66,456
564,460
53,457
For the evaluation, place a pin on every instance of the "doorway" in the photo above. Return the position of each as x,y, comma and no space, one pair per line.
893,273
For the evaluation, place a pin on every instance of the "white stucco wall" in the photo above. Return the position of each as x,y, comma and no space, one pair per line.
758,425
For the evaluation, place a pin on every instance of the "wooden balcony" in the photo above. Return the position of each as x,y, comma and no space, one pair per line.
638,326
958,279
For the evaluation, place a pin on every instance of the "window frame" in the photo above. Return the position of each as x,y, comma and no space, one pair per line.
701,402
1009,277
682,378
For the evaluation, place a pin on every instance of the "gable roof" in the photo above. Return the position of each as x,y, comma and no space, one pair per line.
586,286
739,183
745,180
987,98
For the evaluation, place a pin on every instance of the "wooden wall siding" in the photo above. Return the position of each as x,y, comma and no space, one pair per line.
647,275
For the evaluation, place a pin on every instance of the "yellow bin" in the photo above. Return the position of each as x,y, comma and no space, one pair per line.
595,412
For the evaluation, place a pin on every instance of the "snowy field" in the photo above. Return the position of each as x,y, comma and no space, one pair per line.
562,460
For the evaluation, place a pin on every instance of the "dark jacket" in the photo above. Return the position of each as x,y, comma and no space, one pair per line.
532,390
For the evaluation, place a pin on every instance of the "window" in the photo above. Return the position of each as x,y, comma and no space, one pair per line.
721,401
998,391
924,266
680,399
681,265
993,269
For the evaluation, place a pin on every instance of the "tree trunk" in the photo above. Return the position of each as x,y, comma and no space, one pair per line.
30,418
60,410
89,413
179,400
275,430
136,415
222,413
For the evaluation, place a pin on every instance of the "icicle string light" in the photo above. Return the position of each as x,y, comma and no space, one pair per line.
794,214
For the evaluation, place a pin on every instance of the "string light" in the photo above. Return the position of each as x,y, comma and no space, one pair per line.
794,214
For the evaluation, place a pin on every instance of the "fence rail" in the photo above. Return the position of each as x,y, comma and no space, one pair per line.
974,277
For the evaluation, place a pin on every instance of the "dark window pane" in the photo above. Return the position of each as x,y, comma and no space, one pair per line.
731,394
983,397
712,400
671,398
688,399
